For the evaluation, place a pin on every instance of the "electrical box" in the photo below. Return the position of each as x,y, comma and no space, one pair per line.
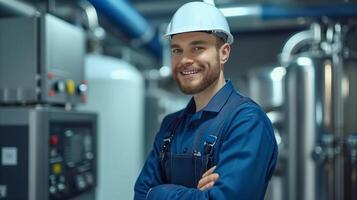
41,61
47,154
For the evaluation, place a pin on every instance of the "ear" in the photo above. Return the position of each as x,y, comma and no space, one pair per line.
224,52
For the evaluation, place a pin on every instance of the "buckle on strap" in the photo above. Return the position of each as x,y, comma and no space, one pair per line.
165,146
166,143
209,144
211,140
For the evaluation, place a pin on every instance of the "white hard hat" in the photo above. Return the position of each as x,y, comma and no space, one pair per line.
199,16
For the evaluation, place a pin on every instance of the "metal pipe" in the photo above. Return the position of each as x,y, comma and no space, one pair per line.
295,43
338,99
273,11
131,22
15,7
295,170
96,33
91,14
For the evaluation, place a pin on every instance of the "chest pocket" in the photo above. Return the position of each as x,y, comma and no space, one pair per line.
187,169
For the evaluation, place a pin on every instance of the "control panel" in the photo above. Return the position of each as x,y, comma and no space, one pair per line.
71,160
47,154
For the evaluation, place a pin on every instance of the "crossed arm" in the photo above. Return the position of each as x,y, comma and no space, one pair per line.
246,161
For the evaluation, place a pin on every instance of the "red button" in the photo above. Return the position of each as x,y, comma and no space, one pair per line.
50,76
84,98
51,93
53,140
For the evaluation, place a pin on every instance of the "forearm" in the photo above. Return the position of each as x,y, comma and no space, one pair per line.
148,178
224,190
176,192
151,174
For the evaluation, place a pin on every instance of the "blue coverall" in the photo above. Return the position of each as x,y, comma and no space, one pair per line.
245,154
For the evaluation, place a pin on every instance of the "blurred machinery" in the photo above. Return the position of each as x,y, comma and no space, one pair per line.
48,150
265,86
40,62
117,95
311,101
321,71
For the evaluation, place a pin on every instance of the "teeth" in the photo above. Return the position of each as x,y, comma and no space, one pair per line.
189,72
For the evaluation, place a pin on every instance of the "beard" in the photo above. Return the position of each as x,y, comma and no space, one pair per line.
209,75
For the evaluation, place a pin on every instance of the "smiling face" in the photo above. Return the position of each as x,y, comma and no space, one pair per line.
197,61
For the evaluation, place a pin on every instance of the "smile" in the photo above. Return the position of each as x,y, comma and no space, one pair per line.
189,72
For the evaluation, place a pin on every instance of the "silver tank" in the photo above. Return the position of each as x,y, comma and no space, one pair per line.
320,110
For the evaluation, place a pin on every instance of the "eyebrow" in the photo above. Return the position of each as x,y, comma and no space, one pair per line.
175,46
196,42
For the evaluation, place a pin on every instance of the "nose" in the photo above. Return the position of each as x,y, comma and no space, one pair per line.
186,60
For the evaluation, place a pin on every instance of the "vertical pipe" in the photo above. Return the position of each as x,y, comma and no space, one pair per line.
291,128
337,60
309,134
326,137
296,129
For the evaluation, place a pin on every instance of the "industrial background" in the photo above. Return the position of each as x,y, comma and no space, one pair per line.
84,85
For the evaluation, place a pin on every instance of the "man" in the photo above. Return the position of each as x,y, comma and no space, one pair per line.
221,146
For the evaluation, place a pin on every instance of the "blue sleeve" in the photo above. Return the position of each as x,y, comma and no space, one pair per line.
150,175
246,161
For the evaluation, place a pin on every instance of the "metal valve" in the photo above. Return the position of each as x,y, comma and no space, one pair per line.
325,150
352,146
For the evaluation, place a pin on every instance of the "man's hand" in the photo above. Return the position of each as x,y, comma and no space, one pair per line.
208,179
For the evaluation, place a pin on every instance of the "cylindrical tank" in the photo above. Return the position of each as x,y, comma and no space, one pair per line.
309,93
116,93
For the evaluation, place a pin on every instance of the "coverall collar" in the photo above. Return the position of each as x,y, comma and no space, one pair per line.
215,104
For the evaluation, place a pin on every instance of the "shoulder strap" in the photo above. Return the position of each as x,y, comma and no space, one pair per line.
167,141
226,113
170,135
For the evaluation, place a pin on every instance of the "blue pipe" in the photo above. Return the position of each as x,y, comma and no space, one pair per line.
130,21
270,11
